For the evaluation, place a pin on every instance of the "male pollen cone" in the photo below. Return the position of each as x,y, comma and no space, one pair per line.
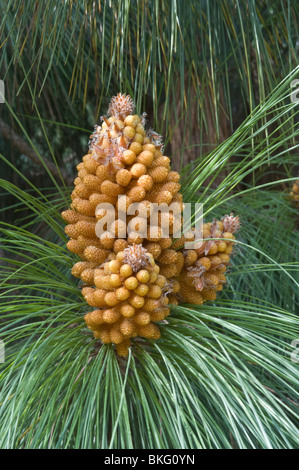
130,280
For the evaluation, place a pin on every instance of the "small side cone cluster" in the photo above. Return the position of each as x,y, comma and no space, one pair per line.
295,193
203,273
130,279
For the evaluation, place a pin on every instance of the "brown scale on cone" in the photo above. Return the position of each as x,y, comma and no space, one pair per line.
130,278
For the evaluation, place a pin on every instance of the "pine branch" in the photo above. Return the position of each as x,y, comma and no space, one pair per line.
16,140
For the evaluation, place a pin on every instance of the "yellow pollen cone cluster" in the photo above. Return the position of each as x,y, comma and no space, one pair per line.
203,273
132,268
129,294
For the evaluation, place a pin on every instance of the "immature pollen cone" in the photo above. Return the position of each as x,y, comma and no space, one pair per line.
130,279
203,272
